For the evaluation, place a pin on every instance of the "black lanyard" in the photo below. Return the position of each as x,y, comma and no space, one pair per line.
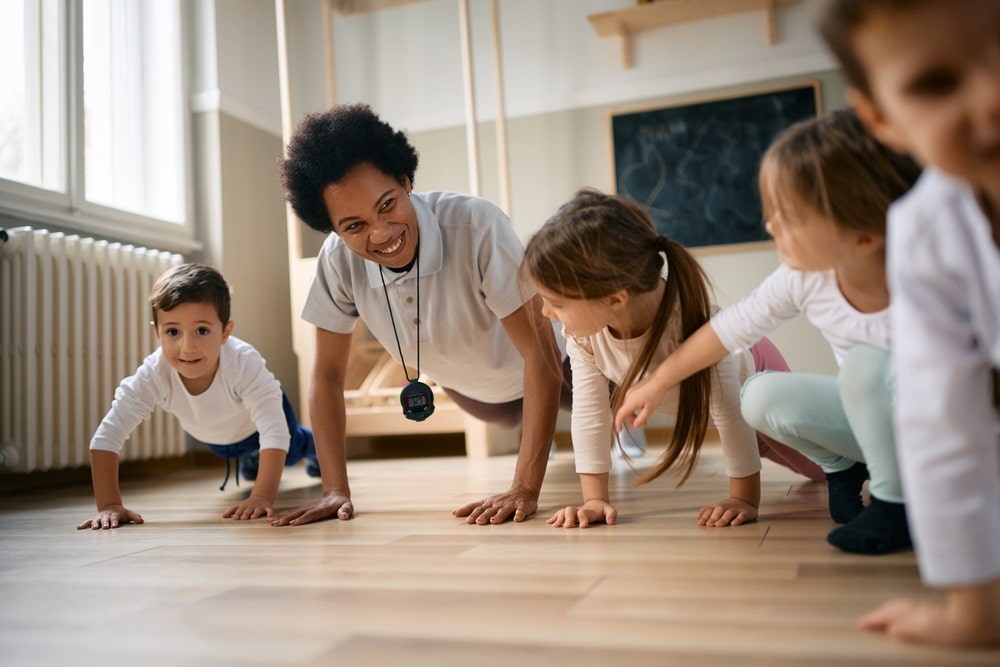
416,398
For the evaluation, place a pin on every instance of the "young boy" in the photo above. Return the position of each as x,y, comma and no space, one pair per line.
924,76
215,384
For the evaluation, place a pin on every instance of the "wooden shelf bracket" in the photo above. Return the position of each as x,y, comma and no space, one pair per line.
622,23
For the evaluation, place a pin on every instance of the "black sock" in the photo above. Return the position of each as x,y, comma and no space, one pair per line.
845,492
880,529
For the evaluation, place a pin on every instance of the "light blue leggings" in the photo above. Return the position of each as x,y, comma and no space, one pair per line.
835,421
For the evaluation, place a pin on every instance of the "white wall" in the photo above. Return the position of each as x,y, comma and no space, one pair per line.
240,211
237,68
406,61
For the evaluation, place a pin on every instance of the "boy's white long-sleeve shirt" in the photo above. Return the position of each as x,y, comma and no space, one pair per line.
244,397
944,274
599,358
786,293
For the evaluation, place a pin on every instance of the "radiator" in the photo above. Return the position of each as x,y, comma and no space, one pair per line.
74,321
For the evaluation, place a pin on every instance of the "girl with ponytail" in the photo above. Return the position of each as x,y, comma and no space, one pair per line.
626,298
826,185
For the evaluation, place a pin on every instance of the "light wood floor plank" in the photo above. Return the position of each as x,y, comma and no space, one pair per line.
405,583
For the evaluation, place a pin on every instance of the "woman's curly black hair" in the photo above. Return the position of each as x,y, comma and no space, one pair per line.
329,144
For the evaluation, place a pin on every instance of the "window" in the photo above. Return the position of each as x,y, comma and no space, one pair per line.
30,131
93,118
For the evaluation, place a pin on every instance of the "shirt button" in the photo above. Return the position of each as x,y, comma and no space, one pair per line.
416,320
409,299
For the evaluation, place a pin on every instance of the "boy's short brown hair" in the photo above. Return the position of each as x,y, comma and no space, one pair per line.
191,283
840,19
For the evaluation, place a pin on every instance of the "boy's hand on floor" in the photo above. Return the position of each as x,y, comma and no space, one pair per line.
111,517
253,507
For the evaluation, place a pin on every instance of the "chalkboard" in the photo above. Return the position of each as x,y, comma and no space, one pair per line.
694,166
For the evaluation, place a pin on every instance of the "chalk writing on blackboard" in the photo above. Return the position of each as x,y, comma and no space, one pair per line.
694,166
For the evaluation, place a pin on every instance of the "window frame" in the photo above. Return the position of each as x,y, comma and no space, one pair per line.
69,210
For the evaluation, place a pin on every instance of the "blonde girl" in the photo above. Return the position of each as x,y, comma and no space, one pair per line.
826,186
626,298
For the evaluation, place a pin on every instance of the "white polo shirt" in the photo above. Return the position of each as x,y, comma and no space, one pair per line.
469,259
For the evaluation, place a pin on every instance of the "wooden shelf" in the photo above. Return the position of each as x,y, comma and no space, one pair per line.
622,23
366,6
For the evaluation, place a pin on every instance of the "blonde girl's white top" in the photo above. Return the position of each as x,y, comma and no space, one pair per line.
787,293
944,273
599,358
244,397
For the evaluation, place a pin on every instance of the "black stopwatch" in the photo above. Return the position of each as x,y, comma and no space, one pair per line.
417,400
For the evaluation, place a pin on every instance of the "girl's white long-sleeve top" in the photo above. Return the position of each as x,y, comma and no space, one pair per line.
599,358
944,274
244,397
786,293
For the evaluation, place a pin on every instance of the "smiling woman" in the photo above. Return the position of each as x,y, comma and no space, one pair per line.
430,275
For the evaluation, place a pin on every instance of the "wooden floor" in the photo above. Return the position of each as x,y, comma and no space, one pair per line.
405,583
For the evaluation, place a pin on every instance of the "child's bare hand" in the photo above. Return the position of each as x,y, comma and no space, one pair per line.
935,623
592,511
111,517
728,512
253,507
639,404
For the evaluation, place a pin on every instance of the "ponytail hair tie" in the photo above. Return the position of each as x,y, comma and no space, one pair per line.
662,244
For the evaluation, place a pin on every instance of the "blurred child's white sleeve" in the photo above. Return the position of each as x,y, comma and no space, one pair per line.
945,282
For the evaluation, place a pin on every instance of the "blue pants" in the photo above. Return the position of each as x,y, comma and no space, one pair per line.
300,445
834,420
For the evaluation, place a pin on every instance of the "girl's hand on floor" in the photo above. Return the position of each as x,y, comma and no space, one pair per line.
592,511
728,512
